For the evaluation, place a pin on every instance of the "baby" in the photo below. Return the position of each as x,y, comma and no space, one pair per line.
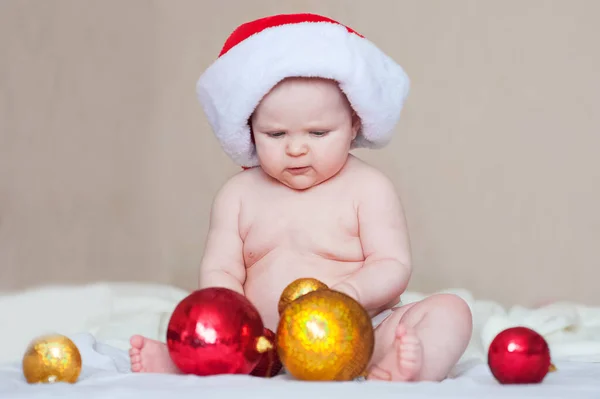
306,207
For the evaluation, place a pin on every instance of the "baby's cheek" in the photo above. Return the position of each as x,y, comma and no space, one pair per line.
269,155
334,157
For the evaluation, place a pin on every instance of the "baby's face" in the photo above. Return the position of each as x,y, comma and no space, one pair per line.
303,130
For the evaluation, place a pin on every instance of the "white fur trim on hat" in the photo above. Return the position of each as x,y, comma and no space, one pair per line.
232,87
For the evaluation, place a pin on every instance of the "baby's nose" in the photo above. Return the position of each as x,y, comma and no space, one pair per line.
296,148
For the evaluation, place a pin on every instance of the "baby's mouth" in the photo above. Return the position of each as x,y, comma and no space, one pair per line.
298,170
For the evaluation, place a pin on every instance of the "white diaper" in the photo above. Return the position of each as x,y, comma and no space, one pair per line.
378,319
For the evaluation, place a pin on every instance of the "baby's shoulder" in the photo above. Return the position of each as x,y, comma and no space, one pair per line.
233,188
242,183
368,179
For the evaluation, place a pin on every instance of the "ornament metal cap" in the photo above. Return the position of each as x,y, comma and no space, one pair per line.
263,344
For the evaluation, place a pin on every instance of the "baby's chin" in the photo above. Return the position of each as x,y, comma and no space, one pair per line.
302,182
299,184
300,187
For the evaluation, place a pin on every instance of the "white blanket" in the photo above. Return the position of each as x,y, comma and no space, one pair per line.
112,312
106,374
100,318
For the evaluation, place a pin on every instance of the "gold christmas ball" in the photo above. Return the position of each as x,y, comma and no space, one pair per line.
325,336
51,358
297,288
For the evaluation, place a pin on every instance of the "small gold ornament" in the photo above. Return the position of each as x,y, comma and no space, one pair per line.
51,358
296,289
325,336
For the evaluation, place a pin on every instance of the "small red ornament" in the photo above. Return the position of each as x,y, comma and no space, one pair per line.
215,331
269,364
519,355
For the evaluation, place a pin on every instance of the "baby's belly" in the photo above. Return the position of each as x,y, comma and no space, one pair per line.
269,276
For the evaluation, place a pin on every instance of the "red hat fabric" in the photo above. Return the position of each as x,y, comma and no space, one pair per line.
260,53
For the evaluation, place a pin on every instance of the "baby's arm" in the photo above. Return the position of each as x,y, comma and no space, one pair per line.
223,263
383,233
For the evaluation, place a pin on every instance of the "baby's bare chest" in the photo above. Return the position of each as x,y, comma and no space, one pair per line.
324,226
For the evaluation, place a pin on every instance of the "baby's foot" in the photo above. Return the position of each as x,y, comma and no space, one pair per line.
403,362
150,356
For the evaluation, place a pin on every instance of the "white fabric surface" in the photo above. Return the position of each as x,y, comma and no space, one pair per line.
102,317
106,375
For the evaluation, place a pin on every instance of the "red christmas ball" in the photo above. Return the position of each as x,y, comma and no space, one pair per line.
519,355
269,364
215,331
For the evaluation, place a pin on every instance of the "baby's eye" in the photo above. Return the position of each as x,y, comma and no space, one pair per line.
277,134
318,134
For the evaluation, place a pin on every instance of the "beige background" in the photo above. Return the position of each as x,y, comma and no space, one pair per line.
108,166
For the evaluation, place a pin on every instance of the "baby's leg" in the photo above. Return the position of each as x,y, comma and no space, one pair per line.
422,340
150,356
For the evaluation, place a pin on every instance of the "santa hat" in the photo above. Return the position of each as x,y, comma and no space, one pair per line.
261,53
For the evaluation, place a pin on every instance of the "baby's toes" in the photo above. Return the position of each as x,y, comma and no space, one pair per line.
401,331
410,368
410,339
409,354
135,358
137,342
136,364
377,373
136,367
409,342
